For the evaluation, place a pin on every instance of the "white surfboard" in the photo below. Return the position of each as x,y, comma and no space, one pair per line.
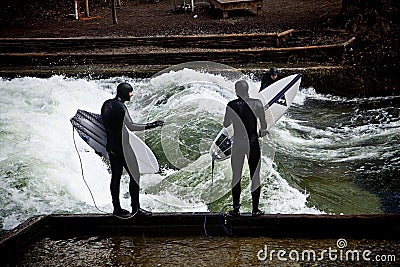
146,159
276,98
221,147
91,129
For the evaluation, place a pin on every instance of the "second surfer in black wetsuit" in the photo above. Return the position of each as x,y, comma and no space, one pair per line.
270,77
245,113
114,115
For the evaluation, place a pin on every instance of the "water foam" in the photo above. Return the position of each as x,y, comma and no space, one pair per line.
40,170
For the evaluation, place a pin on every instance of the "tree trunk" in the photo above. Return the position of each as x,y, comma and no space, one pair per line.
76,9
114,12
87,13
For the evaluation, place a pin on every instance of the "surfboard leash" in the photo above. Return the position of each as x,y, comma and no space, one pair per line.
88,187
220,215
210,194
82,173
212,182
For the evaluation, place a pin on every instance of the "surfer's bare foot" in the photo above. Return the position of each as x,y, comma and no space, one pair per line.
257,213
121,213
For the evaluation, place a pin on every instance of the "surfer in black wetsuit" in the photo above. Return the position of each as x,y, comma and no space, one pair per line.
114,115
244,113
270,77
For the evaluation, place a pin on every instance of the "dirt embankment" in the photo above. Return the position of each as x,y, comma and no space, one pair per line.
374,53
49,18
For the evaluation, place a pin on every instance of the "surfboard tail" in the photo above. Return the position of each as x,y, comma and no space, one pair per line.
91,129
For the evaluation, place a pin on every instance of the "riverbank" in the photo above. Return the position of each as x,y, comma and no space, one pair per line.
146,18
369,67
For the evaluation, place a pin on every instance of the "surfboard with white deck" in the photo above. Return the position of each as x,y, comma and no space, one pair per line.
90,128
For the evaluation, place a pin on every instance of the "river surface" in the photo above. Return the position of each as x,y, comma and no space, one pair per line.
203,251
327,154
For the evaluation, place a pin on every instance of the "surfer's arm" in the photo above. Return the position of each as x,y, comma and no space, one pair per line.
263,122
264,81
228,117
133,126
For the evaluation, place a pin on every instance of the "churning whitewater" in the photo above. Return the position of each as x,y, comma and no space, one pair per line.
318,158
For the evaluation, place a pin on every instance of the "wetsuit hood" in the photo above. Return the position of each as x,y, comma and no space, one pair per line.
123,90
273,71
242,89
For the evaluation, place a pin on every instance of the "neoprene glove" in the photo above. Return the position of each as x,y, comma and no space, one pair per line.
263,132
154,124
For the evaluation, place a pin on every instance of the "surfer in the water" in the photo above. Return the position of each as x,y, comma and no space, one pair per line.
270,77
115,114
245,113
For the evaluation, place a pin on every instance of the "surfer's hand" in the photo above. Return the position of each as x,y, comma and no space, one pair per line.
159,123
154,124
263,132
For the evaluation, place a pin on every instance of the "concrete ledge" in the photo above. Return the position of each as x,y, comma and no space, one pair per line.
19,45
321,53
